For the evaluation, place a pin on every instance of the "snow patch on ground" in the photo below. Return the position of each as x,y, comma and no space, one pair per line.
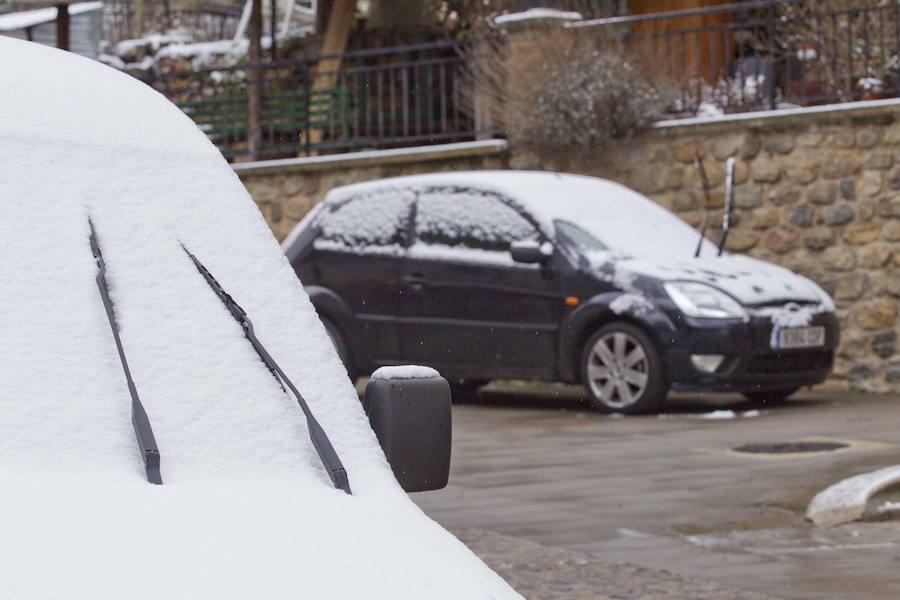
716,415
846,501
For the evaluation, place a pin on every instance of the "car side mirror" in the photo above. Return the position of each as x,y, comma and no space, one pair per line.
531,251
409,410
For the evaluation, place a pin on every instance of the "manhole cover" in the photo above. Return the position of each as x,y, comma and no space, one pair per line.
790,447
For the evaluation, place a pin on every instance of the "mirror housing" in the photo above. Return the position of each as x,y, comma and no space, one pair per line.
531,252
409,410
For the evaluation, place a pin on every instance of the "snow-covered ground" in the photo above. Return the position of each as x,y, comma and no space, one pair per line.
246,509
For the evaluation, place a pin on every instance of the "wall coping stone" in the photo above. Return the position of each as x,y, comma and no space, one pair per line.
371,158
766,118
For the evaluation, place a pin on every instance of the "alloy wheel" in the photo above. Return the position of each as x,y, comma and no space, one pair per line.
618,370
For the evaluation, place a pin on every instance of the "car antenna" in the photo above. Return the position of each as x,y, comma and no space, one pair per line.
729,203
317,435
139,419
698,162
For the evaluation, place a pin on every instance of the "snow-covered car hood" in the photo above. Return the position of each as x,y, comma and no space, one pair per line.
748,280
91,537
246,509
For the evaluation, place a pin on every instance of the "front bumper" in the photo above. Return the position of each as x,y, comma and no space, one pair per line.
750,365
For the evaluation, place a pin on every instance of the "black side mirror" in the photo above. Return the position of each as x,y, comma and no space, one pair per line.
409,410
531,251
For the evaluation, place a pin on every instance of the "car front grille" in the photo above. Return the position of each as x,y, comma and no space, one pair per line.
787,362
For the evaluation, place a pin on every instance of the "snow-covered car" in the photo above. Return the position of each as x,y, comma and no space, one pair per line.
223,459
510,274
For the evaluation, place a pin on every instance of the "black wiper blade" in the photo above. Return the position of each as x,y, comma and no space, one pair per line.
698,162
139,419
317,435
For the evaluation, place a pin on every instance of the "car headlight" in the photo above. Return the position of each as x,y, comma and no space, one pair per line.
701,300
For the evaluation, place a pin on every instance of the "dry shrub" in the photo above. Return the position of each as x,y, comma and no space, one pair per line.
559,91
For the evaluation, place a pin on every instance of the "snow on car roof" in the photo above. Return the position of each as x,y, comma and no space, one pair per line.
620,217
246,509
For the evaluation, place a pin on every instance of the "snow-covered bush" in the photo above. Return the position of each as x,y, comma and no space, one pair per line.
583,103
562,91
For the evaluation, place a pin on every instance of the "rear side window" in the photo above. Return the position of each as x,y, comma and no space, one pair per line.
376,220
470,219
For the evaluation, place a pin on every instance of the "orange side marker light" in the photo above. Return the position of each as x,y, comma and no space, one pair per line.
572,301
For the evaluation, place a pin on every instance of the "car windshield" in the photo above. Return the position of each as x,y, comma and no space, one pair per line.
577,238
612,217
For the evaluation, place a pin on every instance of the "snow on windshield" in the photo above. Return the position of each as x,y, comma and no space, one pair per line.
246,509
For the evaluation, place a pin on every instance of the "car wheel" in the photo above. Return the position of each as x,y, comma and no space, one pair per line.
770,397
337,339
622,370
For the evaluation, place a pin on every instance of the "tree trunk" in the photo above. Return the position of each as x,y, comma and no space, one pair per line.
326,74
254,83
137,23
62,26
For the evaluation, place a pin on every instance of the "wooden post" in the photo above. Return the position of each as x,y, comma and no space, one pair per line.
62,26
254,83
273,24
137,23
326,73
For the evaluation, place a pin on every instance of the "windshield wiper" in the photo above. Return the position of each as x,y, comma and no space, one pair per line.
698,162
317,435
729,203
139,419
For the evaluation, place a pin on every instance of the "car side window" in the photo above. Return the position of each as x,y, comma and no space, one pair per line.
375,222
470,219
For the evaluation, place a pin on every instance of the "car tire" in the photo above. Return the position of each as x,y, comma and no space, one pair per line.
337,339
770,397
622,370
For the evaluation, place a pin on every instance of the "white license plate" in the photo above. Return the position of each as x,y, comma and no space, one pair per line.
786,338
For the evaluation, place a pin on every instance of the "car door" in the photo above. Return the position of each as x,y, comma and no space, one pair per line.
467,308
358,255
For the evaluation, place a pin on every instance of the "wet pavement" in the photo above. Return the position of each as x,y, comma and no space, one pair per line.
565,502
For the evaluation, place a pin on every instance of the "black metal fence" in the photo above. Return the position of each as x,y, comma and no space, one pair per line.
206,21
762,54
389,97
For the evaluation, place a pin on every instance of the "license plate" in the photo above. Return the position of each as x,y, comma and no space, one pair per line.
786,338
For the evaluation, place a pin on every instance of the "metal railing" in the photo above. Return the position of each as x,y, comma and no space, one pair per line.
764,53
206,21
384,98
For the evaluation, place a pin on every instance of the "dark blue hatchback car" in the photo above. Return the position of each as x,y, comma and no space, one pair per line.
510,274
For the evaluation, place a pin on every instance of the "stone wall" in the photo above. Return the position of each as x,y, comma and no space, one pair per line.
818,191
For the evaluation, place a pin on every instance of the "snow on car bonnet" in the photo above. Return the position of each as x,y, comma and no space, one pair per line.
246,509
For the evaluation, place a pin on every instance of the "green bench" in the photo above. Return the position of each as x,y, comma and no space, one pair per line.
284,113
